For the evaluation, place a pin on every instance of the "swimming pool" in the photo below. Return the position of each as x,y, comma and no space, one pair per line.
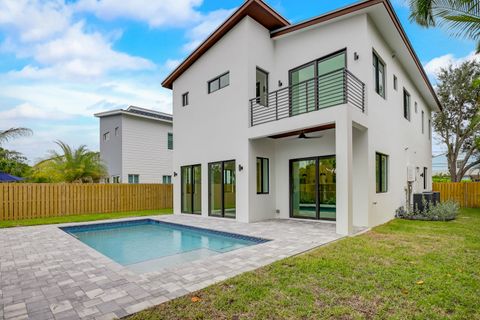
147,245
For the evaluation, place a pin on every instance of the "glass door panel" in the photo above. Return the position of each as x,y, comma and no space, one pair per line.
303,184
186,178
197,189
261,87
330,80
215,188
302,91
327,188
229,186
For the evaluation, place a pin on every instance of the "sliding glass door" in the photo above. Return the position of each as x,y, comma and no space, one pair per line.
222,189
191,189
313,188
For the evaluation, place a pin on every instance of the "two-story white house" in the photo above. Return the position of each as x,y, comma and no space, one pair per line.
327,119
136,145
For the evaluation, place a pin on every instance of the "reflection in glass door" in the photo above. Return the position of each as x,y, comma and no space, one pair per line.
222,189
302,89
331,80
191,189
313,188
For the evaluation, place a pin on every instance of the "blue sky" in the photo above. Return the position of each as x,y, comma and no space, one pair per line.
61,61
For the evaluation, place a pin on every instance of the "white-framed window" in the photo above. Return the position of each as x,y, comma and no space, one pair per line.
133,178
167,179
106,136
219,82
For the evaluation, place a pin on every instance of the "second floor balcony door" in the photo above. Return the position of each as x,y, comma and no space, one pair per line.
302,92
330,72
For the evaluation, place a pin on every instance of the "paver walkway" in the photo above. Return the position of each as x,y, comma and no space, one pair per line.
48,274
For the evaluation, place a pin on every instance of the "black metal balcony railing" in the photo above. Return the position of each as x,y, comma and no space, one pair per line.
331,89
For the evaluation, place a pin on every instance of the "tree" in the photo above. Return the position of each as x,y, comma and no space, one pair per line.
71,165
14,163
458,123
462,17
6,135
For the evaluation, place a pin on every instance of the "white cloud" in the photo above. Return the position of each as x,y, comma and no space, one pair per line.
171,64
28,111
434,66
33,20
205,27
155,13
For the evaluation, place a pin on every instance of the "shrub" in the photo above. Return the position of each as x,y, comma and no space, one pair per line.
442,211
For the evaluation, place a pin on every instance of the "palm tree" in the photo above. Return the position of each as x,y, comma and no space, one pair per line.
72,165
462,17
6,135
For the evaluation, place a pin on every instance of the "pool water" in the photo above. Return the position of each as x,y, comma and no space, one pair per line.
147,245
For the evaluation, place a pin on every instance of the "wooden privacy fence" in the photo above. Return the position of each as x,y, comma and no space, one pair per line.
467,194
41,200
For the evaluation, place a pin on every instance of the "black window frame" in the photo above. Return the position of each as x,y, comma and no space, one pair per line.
185,101
395,83
379,179
429,129
222,163
133,175
182,204
425,173
423,122
407,109
376,61
218,79
262,170
170,141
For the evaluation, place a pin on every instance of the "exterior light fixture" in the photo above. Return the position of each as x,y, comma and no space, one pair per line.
280,83
175,174
356,56
240,167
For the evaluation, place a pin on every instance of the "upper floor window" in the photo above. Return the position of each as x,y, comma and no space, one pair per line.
185,99
117,131
133,178
429,129
406,104
170,141
106,136
423,121
395,82
379,75
219,82
416,107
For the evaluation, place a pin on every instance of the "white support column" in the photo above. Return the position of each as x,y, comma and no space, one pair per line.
344,161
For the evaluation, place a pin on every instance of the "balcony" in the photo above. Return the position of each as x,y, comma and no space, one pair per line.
334,88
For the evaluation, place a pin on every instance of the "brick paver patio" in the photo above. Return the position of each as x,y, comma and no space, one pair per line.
48,274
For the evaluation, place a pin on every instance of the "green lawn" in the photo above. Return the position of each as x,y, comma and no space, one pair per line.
400,270
83,218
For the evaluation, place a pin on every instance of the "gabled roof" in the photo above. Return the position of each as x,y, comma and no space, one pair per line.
256,9
138,112
279,26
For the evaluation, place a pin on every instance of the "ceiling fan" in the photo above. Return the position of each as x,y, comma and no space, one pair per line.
302,135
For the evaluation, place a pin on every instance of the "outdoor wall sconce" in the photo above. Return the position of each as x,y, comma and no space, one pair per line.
355,56
280,83
175,174
240,167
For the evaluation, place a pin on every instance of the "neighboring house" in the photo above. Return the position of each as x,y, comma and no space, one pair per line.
326,119
136,144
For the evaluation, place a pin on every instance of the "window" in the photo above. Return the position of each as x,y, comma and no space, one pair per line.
423,121
191,189
185,99
170,141
117,131
262,176
219,82
116,179
381,169
106,136
406,104
416,107
395,82
133,178
222,189
425,173
107,180
379,75
167,179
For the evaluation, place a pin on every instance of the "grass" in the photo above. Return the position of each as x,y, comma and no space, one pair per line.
400,270
83,218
